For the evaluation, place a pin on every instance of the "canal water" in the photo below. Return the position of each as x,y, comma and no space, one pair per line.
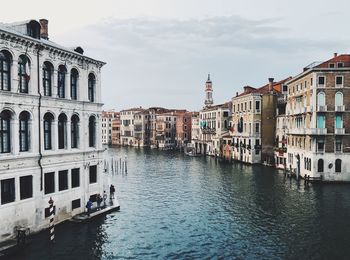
178,207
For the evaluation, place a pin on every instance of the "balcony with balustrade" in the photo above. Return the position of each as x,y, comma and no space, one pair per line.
321,108
339,131
295,131
339,108
316,131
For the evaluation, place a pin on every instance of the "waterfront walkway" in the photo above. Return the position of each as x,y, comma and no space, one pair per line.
11,245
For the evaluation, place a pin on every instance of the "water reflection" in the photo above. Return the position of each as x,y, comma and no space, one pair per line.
176,207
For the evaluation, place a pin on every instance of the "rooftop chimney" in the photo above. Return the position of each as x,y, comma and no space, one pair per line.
335,54
236,94
44,31
271,84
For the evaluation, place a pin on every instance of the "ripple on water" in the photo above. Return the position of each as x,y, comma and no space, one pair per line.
176,207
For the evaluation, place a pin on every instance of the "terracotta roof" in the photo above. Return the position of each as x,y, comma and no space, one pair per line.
344,58
264,89
167,114
137,109
224,105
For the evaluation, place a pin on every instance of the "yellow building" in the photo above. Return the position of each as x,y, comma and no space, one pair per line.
253,123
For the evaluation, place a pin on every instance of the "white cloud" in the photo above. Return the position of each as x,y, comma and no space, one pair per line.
165,61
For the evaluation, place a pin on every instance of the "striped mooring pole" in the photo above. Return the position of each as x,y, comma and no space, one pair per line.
52,225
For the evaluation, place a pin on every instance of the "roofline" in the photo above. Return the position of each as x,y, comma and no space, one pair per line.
40,42
304,73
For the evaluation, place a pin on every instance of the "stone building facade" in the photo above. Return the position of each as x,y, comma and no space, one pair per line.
213,125
50,130
281,129
107,129
319,120
116,131
183,129
142,128
253,123
127,127
166,130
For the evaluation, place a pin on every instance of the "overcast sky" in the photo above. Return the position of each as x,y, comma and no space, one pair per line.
159,52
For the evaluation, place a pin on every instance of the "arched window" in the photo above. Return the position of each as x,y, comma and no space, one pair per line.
5,70
23,74
48,118
74,131
338,99
321,100
92,131
320,165
338,121
61,79
5,131
24,131
62,129
337,165
91,87
321,121
33,29
74,84
47,78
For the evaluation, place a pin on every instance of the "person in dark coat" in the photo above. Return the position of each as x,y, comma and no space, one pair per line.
89,206
111,191
99,201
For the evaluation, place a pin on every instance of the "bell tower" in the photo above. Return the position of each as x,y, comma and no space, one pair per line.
208,93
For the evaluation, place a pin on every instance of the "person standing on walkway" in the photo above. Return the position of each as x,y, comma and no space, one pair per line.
99,201
111,191
88,206
104,198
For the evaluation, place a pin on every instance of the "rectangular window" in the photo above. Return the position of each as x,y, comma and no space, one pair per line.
340,65
257,106
63,180
331,65
7,190
26,187
320,145
49,180
257,128
285,88
76,204
75,177
338,145
321,80
93,174
339,80
257,146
